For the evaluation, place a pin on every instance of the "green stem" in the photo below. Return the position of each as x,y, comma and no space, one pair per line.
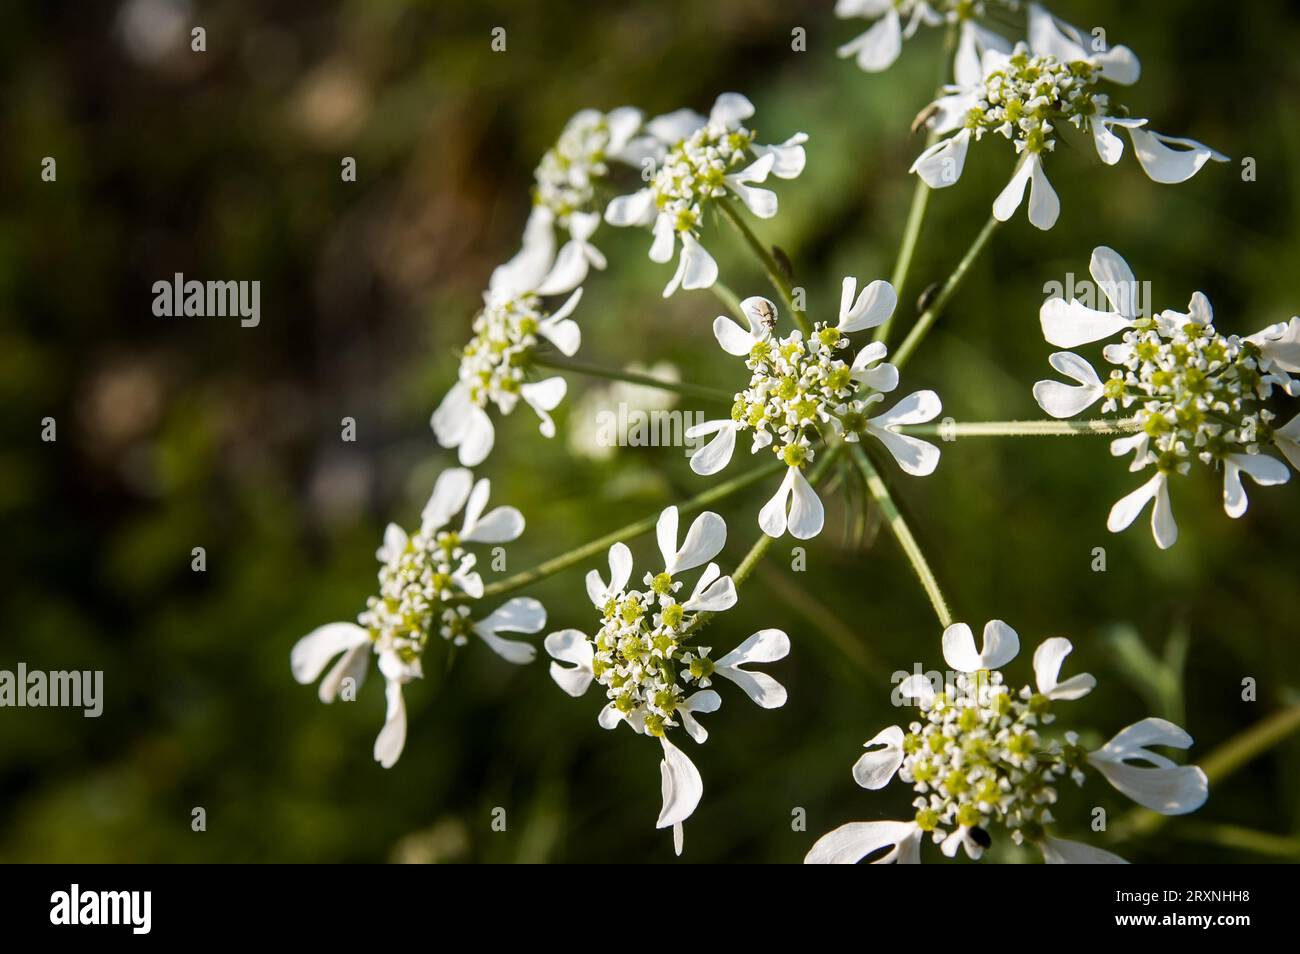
633,377
644,525
1220,764
729,301
779,281
920,196
955,429
922,326
764,542
903,533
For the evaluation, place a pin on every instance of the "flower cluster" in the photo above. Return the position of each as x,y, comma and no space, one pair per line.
701,161
656,677
427,584
1028,94
982,757
496,363
1190,392
800,390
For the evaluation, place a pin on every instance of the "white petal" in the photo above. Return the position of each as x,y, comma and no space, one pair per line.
1047,668
716,454
1063,400
311,654
1264,470
682,786
672,128
849,844
917,687
666,534
696,268
878,48
395,540
1159,785
1009,199
569,270
789,157
733,339
1000,646
1044,205
767,645
450,492
478,438
665,239
1058,851
501,525
1068,324
392,738
1109,146
1163,164
565,334
1115,279
572,646
545,396
731,110
941,164
706,700
713,593
915,456
771,519
704,540
873,306
876,768
807,516
635,209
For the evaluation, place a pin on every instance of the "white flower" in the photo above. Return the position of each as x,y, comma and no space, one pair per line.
979,757
645,657
1027,95
800,391
1159,785
427,584
878,48
1190,392
702,161
494,365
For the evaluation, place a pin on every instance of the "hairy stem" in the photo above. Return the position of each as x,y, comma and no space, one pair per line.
903,533
774,272
932,311
955,429
623,534
633,377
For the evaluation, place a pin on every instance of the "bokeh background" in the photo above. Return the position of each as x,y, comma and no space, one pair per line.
181,433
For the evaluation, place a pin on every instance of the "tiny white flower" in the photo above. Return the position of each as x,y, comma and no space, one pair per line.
1190,392
703,160
981,764
427,586
645,658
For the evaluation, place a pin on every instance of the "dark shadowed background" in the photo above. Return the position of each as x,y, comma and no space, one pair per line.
174,434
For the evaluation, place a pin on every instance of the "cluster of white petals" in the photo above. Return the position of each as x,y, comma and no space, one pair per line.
701,160
800,391
427,586
1028,94
898,20
1192,392
981,757
646,656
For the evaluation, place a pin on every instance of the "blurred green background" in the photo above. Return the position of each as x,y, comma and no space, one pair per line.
181,433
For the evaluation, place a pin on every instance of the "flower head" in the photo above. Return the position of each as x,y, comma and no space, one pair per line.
1028,95
983,758
427,588
804,389
496,365
703,160
1189,392
647,658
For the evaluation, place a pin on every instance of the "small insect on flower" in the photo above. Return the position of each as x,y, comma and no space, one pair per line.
1188,392
428,586
982,758
647,656
800,392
